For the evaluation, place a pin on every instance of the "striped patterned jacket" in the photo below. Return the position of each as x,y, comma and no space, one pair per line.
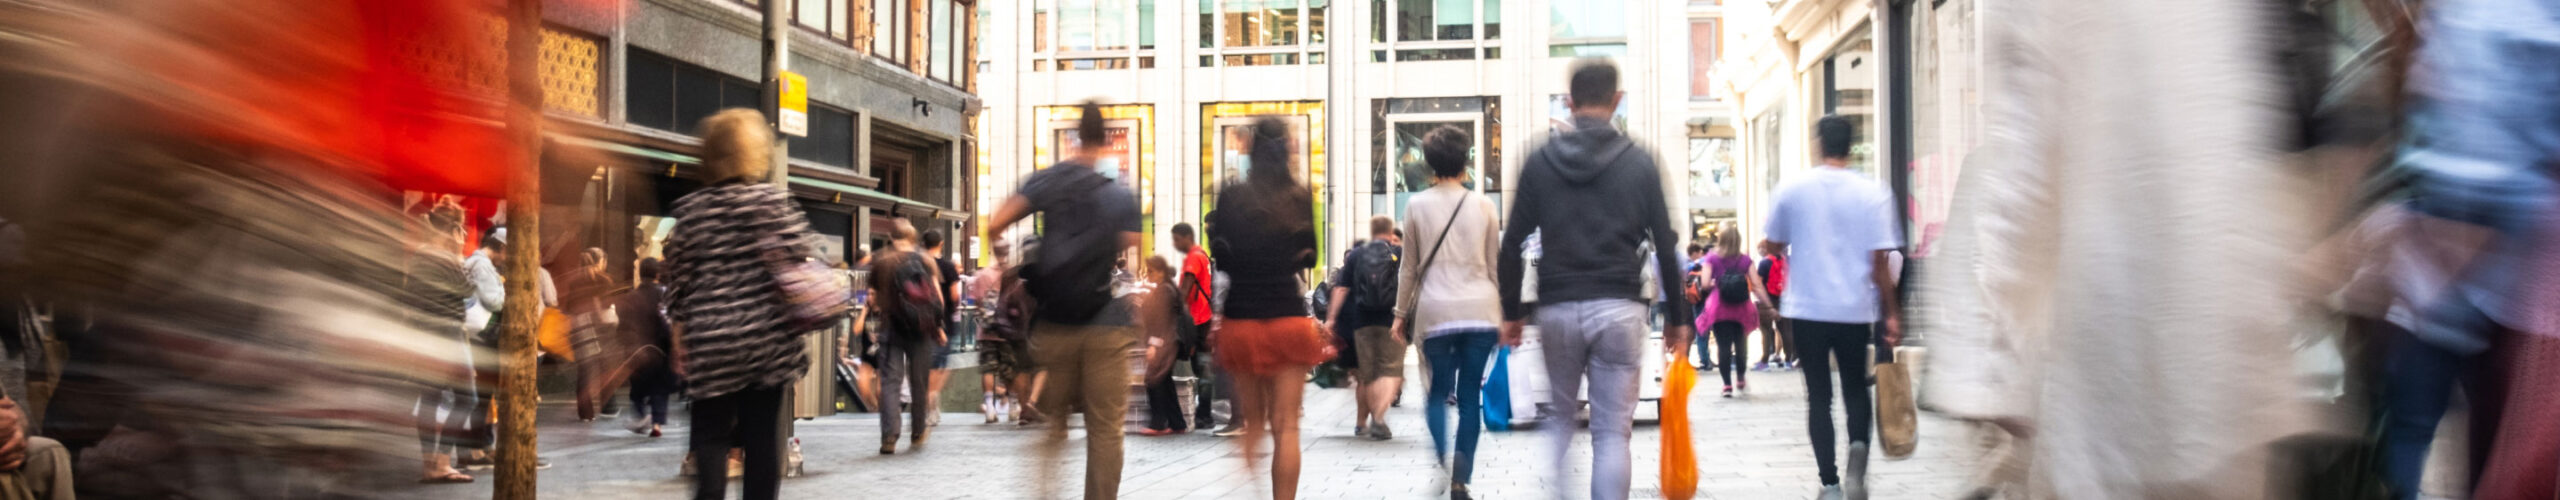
720,288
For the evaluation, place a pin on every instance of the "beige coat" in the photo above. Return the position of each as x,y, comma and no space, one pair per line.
1459,288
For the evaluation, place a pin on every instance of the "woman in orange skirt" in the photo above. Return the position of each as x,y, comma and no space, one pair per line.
1263,232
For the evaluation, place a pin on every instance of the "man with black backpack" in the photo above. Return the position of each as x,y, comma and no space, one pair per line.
906,287
1090,221
1368,289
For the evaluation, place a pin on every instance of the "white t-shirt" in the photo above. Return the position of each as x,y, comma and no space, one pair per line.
1832,222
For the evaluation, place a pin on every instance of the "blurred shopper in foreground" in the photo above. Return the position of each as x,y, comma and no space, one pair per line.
644,320
1263,230
1448,296
737,355
1594,197
1085,353
1837,229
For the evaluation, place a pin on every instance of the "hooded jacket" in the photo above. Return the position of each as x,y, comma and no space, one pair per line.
1595,198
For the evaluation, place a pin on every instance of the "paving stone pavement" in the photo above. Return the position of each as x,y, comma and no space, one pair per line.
1752,446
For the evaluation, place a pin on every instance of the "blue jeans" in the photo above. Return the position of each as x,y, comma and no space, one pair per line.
2418,379
1457,360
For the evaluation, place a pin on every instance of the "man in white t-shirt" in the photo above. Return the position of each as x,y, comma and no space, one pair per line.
1837,230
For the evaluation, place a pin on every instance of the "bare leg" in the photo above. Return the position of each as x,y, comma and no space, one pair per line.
1379,395
1361,410
1253,409
1286,392
935,382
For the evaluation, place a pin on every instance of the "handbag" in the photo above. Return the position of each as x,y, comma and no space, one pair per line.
813,295
1897,418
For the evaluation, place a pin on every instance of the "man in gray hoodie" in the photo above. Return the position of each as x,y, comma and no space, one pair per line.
1595,197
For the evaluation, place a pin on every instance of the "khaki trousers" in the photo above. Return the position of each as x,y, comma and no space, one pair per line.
1088,368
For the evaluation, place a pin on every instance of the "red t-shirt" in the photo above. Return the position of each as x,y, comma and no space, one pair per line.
1195,264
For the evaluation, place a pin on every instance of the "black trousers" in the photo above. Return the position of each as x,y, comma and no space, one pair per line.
751,420
1826,345
1164,403
1729,347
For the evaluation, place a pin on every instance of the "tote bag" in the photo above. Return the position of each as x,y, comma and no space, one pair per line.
1679,460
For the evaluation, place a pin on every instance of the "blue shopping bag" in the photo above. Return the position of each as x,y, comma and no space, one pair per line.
1497,391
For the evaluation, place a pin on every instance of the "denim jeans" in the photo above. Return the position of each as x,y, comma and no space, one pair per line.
1602,339
1824,344
1457,360
2418,379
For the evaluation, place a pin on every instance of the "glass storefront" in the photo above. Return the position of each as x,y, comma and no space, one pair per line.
1226,135
1399,126
1130,132
1847,80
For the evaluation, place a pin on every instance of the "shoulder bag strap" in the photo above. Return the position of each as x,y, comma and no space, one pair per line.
1445,228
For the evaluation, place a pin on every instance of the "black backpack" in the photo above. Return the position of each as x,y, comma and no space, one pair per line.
1733,287
1373,277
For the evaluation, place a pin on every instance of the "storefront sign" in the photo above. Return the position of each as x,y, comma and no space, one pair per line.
793,119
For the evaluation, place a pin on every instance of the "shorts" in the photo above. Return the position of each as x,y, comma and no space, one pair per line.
1004,358
942,357
1266,346
1381,355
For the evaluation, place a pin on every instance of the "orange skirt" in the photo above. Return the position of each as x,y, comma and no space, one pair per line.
1265,346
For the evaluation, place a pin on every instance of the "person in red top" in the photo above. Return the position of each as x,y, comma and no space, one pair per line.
1777,342
1194,285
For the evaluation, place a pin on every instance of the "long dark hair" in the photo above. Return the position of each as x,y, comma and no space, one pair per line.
1270,191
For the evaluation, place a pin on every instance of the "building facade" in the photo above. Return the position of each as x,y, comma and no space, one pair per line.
888,89
1361,82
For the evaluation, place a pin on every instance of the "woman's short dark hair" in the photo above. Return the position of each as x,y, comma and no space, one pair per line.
1445,148
1836,136
651,268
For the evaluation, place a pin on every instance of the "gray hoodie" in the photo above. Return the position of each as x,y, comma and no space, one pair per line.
1595,197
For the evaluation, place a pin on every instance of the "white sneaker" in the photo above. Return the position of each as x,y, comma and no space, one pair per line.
1831,492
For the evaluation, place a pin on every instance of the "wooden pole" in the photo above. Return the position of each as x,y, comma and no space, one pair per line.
515,458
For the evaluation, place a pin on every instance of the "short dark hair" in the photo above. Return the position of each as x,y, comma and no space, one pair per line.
1183,230
1445,148
651,268
932,239
1836,135
1089,124
1695,248
1594,81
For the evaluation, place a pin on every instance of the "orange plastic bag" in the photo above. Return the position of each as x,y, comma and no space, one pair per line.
1679,461
552,335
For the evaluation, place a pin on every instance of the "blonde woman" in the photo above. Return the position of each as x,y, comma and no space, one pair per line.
736,355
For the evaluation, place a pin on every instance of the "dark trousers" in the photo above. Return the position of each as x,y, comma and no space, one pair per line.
1729,340
1207,386
751,420
2418,380
1164,403
910,362
653,406
1826,345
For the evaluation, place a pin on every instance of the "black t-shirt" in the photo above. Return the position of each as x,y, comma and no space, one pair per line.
950,274
1083,217
1357,314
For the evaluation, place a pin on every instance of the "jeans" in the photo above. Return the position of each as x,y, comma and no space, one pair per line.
1164,406
2418,379
652,406
750,419
1729,340
1824,344
1604,340
1207,385
1457,360
1088,367
909,361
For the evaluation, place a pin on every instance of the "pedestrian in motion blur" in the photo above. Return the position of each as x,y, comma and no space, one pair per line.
1836,229
644,321
1263,231
436,292
1084,352
731,341
1595,198
1729,309
909,335
1448,289
1367,290
949,284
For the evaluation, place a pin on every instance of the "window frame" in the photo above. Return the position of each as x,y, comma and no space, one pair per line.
1136,55
895,27
1386,39
1306,50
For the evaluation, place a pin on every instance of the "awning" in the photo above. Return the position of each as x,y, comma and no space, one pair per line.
804,187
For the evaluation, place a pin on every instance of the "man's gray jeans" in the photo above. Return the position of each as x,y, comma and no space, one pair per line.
1604,340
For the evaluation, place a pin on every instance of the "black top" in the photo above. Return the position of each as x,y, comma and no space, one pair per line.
1357,314
1085,215
1593,197
950,274
1262,252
